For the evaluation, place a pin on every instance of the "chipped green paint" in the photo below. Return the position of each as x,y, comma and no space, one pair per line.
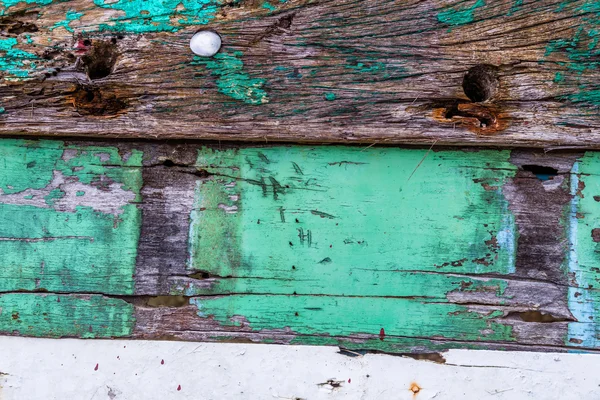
2,110
6,4
583,259
516,7
329,96
309,315
578,54
69,17
460,16
15,62
269,6
55,239
345,222
50,315
232,81
142,16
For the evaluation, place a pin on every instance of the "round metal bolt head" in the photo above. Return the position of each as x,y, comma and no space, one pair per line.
205,43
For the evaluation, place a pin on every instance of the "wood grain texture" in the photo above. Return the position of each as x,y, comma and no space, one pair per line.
387,249
302,71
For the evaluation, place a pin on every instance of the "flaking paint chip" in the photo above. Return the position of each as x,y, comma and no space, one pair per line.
205,43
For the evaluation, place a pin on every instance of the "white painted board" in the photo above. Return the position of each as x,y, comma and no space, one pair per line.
66,369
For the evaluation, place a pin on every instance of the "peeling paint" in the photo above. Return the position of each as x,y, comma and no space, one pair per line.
232,81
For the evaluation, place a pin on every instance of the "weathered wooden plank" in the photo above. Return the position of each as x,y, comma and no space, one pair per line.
69,222
296,70
400,250
52,315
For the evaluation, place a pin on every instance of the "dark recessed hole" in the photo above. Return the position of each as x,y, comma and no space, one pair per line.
535,316
100,60
87,42
167,301
541,172
481,82
113,40
200,275
168,163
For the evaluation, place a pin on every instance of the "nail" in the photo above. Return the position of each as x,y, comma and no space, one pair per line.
205,43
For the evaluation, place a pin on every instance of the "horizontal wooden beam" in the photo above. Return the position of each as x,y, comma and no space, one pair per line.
304,71
398,250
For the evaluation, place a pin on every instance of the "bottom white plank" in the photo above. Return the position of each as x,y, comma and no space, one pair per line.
120,369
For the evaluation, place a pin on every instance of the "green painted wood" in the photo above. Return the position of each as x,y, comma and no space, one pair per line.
68,219
350,224
51,315
386,249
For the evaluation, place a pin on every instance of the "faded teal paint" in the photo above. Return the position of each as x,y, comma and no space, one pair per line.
142,16
232,81
69,17
558,77
80,250
6,4
79,193
515,7
50,315
579,54
269,6
2,110
329,96
583,259
345,222
311,315
460,16
348,282
15,62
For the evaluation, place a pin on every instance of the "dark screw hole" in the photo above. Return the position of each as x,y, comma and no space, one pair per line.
481,82
541,172
296,314
293,267
100,60
168,163
113,40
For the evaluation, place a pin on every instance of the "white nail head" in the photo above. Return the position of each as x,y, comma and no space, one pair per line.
205,43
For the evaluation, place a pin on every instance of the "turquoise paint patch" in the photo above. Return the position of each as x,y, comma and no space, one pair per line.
53,196
142,16
15,62
232,81
460,16
6,4
2,110
80,193
330,96
69,17
269,6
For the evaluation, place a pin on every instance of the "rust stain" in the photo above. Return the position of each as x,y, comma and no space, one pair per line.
481,119
91,100
415,388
